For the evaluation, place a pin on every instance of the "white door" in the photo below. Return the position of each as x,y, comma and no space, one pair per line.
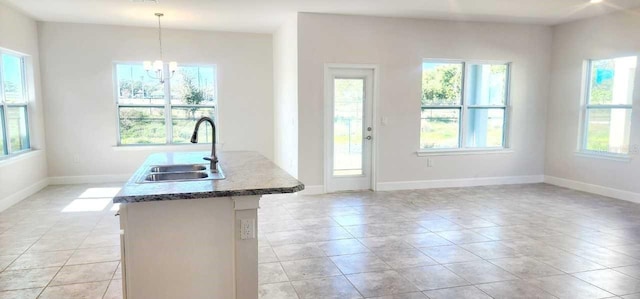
348,129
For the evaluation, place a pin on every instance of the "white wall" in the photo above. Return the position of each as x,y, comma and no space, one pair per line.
398,47
609,36
23,175
285,78
78,87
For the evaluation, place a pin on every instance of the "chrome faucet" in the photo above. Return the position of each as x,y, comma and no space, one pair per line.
194,139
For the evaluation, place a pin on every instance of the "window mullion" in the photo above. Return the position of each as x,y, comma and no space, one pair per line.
5,148
167,106
5,118
463,115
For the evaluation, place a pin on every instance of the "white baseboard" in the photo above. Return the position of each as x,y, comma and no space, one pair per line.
591,188
89,179
14,198
455,183
312,190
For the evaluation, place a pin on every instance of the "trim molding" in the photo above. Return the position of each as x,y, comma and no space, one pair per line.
16,197
454,183
312,190
89,179
595,189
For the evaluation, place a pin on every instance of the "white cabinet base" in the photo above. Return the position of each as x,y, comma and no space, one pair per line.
189,249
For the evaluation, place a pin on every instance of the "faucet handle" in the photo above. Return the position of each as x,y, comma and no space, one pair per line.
214,159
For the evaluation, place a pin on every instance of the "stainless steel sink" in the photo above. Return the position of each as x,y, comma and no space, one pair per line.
180,173
178,168
175,176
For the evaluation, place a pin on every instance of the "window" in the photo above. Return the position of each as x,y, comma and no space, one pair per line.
464,105
151,112
14,122
609,101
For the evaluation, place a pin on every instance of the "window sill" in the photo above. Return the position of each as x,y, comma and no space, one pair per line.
604,156
167,147
459,152
26,154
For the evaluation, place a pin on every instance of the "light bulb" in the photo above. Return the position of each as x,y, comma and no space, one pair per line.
147,65
157,65
173,66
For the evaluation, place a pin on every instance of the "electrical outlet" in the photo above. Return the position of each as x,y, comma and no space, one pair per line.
247,229
429,162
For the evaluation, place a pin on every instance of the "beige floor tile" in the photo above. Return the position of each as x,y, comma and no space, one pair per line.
463,236
34,259
85,273
611,281
525,267
413,295
6,260
381,283
449,254
118,274
432,277
514,289
607,257
114,291
266,255
405,258
76,291
56,244
565,286
467,292
24,279
385,243
480,272
561,228
342,247
633,271
282,290
297,251
310,268
95,255
490,250
426,240
21,294
271,273
337,287
101,240
359,263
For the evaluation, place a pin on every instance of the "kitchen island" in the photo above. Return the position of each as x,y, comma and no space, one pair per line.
195,238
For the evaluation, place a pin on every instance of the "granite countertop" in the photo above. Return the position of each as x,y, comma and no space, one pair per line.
247,173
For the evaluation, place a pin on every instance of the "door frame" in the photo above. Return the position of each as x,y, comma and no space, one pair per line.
328,118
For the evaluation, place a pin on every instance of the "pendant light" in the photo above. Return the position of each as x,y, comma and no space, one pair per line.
155,69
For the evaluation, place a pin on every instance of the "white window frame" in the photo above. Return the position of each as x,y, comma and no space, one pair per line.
586,106
167,103
464,108
6,151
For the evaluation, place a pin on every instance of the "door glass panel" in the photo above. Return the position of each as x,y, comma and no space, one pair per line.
348,127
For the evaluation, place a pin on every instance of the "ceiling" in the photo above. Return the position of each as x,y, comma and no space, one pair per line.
267,15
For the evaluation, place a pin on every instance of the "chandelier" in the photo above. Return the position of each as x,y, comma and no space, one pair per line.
155,69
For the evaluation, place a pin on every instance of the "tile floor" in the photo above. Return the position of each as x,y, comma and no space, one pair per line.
524,241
